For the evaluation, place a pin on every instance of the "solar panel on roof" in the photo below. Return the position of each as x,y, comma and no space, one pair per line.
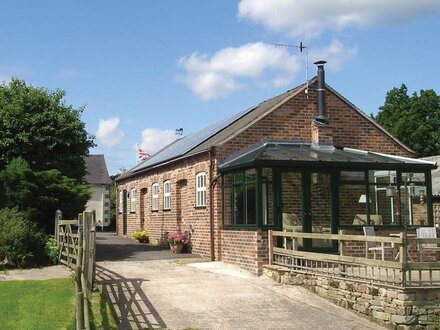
187,143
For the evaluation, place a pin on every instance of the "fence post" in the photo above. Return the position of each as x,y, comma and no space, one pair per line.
341,244
58,216
79,293
88,261
403,251
270,242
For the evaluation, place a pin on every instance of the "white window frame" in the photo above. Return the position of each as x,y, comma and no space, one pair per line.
167,195
201,189
121,201
133,200
155,197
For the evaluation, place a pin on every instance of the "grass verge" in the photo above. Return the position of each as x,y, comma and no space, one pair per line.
37,305
101,316
48,304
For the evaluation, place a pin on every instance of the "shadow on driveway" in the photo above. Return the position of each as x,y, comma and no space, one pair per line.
110,247
128,300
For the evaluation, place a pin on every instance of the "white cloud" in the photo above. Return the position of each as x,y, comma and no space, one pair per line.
154,139
310,18
226,70
336,54
108,132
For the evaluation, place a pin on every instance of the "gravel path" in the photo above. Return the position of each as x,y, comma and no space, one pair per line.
44,273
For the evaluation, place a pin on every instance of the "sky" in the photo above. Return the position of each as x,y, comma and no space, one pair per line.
143,69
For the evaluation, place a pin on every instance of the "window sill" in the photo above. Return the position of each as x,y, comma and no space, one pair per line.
201,207
166,210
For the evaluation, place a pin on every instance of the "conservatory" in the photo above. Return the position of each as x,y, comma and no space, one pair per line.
315,189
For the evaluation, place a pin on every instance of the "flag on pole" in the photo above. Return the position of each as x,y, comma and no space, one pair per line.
142,154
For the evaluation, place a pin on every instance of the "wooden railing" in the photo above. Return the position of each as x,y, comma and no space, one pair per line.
77,250
402,272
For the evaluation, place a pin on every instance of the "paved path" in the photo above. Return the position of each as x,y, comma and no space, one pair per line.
153,289
44,273
110,247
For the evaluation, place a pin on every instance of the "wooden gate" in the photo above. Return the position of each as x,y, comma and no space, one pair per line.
76,240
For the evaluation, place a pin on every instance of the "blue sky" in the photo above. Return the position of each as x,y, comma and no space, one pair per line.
145,68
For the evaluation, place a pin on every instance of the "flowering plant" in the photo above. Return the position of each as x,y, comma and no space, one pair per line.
140,235
175,237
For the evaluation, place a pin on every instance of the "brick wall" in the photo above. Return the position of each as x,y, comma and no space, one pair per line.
183,212
247,248
290,121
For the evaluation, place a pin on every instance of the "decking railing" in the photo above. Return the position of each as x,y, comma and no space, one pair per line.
403,272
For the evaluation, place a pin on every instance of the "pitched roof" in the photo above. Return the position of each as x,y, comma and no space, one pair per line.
209,136
96,170
218,132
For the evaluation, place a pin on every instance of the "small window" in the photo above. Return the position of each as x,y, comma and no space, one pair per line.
167,195
155,197
201,189
133,200
121,201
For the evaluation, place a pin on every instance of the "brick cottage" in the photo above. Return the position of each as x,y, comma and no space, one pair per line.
307,160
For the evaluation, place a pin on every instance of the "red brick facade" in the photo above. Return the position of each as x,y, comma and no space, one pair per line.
289,121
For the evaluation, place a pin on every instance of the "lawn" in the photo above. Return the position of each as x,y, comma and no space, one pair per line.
37,304
48,305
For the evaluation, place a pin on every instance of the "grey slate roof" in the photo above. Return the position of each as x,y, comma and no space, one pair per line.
214,134
209,136
435,174
96,170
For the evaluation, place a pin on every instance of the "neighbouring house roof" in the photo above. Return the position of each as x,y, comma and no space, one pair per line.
218,132
435,175
305,154
96,170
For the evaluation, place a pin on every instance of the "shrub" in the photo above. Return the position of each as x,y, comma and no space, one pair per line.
21,242
51,250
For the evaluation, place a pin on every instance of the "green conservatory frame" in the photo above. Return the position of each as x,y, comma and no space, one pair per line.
245,175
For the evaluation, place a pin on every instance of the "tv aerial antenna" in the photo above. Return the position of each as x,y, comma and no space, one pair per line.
302,49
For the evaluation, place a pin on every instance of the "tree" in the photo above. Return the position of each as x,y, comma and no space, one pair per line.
414,120
36,125
38,194
43,145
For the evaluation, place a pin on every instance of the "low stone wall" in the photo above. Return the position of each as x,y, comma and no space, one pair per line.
395,308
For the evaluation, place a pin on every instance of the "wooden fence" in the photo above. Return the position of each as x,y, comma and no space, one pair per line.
76,240
403,272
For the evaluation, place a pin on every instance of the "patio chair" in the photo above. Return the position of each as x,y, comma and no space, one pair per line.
374,246
427,232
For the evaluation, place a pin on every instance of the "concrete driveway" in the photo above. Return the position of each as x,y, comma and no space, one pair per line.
151,287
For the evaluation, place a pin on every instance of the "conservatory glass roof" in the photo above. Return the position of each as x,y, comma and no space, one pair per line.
302,154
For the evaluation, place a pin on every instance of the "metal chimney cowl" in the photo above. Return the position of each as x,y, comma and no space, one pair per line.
321,93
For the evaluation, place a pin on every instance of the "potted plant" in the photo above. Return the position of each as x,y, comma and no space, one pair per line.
141,236
177,240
